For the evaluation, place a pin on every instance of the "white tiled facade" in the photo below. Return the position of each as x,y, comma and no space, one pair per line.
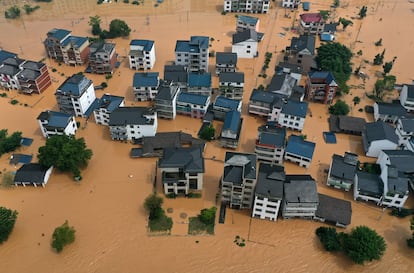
265,208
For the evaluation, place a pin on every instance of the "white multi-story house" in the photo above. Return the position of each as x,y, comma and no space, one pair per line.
299,151
247,6
193,53
293,115
300,198
182,169
145,85
407,97
395,187
244,44
76,95
271,143
293,4
265,104
166,100
269,191
226,62
239,180
57,123
130,123
388,112
342,171
105,106
102,57
141,54
405,131
378,136
192,105
402,159
231,85
222,105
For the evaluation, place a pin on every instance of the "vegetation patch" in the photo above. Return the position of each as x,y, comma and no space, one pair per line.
8,179
401,212
158,221
12,13
7,220
29,9
9,143
239,241
203,223
410,241
63,236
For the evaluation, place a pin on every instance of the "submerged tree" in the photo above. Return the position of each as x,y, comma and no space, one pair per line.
62,236
339,108
208,133
95,23
363,12
410,241
66,153
345,23
7,220
329,238
379,58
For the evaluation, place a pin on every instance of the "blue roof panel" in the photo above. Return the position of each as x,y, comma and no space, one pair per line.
226,103
150,79
146,44
298,146
295,108
199,80
75,41
192,98
232,121
248,19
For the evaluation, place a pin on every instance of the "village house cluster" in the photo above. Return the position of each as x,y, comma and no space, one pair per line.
254,180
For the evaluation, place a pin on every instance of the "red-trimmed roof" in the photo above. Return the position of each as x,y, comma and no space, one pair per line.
311,17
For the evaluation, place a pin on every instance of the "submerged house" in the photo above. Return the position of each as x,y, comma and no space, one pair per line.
299,151
105,106
141,54
271,143
378,136
57,123
182,169
32,174
342,171
145,85
333,210
230,133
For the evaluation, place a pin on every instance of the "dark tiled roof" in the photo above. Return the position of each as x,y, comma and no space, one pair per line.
10,70
410,90
334,210
190,159
110,102
227,103
58,34
380,130
265,96
370,183
75,85
248,34
146,79
33,65
75,41
199,80
232,121
167,92
185,97
175,73
31,173
101,47
393,109
226,58
146,44
346,123
301,191
248,19
326,76
123,116
402,159
298,146
272,136
55,119
344,167
285,67
6,54
295,108
231,77
270,181
303,42
407,124
235,163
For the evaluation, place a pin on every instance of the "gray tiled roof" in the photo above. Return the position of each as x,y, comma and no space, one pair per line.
31,173
408,124
303,42
234,165
380,130
393,109
190,159
344,168
402,159
370,184
295,108
272,136
270,181
123,116
334,210
231,77
301,191
244,35
226,58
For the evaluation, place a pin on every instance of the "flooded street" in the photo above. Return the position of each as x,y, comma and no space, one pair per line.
106,207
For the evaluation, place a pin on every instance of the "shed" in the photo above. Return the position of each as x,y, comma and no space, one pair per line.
306,6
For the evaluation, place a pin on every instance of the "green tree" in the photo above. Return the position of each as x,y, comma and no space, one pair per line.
363,12
152,205
387,67
339,108
356,100
410,241
324,14
379,42
208,216
345,23
7,220
208,133
379,58
336,58
364,244
9,143
12,13
62,236
66,153
118,28
329,238
95,23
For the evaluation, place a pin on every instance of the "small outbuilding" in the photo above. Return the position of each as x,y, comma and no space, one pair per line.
32,174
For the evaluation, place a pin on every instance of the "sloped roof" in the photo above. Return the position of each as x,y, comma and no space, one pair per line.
146,79
199,80
75,85
10,70
6,54
231,77
334,210
270,181
193,46
343,167
298,146
167,92
407,124
295,108
175,73
31,173
232,121
402,159
248,19
226,58
311,17
275,136
326,76
123,116
192,98
110,102
410,90
303,42
228,103
265,96
101,46
370,183
190,159
380,130
74,41
55,119
58,33
247,34
393,109
235,163
301,191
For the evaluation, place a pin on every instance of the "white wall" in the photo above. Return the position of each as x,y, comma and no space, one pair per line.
242,51
378,145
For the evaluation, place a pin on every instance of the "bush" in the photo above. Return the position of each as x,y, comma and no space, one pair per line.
329,238
8,179
62,236
171,195
3,95
401,212
7,220
208,216
9,143
14,102
152,204
339,108
208,133
104,85
12,13
194,195
410,241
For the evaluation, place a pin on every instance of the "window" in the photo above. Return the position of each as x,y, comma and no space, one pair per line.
193,184
247,51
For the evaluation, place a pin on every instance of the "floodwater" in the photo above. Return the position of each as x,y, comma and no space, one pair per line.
106,207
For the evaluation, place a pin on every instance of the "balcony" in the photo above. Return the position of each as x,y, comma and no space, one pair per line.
174,177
